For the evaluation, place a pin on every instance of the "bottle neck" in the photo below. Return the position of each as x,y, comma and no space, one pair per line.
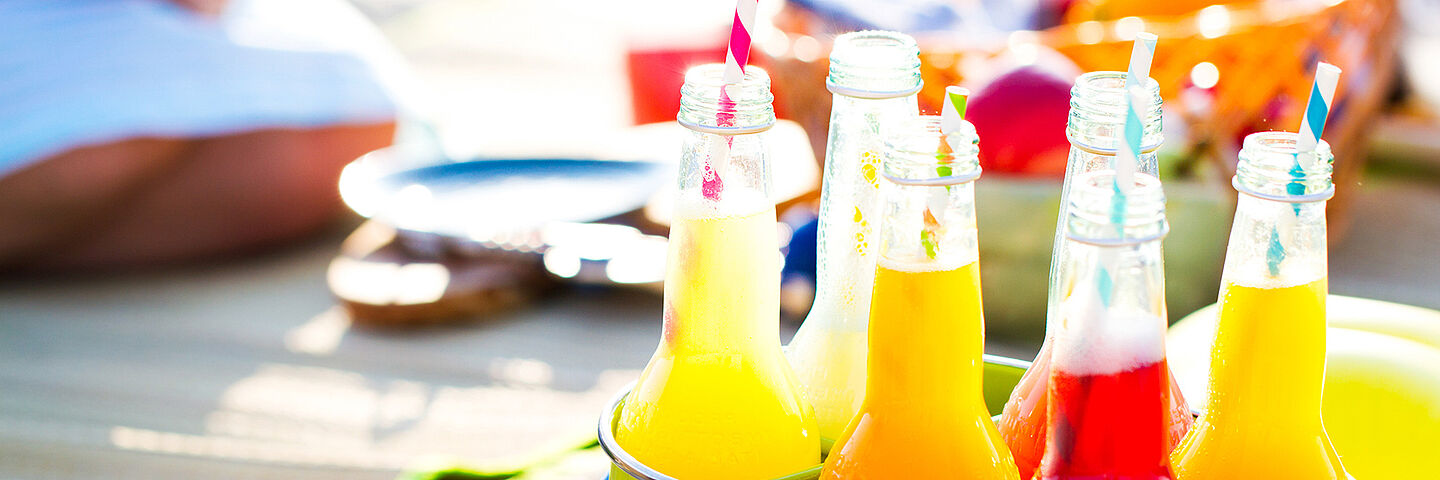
723,273
1272,313
927,329
1279,230
1276,243
1113,314
718,167
1097,113
1114,277
850,205
1097,109
1272,296
929,193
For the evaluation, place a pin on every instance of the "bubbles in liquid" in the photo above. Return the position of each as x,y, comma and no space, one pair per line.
733,202
1257,276
1101,340
911,266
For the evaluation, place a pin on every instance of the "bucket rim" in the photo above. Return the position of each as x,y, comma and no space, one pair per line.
621,459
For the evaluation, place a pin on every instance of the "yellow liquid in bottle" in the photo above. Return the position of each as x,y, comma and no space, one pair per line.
924,415
718,400
1267,372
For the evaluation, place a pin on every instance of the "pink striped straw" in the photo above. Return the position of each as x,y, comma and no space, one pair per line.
738,55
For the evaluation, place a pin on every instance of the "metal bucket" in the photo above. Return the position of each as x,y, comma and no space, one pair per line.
1001,375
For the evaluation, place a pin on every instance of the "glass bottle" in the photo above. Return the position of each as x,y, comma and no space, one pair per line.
718,399
1097,109
924,414
1267,368
874,76
1108,408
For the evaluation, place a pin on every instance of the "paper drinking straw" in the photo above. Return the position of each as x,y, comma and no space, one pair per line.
737,55
952,116
1137,76
954,110
1127,154
1317,108
1312,125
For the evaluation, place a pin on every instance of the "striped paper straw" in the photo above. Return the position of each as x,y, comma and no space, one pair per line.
954,110
1137,76
1127,155
738,55
952,116
1317,108
1312,125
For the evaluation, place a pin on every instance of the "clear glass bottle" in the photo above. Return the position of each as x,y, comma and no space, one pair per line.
1097,115
924,414
874,77
718,399
1267,368
1108,407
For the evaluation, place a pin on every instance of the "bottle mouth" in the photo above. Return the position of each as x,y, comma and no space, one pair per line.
916,153
1093,214
1271,168
874,64
708,104
1097,113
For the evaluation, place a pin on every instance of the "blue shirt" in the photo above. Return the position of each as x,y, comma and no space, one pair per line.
80,72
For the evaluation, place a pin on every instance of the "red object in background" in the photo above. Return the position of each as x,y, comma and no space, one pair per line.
1020,117
656,76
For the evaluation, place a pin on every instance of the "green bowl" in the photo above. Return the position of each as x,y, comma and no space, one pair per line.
1001,375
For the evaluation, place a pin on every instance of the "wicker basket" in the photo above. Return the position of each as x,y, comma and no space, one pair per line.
1265,62
1265,57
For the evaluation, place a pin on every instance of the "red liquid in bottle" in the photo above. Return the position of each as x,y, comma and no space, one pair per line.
1105,425
1022,424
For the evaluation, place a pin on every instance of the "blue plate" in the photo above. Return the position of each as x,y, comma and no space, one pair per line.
479,198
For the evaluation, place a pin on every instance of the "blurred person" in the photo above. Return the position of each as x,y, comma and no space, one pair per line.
138,132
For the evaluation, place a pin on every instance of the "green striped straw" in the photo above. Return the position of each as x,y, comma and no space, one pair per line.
952,117
953,112
1312,125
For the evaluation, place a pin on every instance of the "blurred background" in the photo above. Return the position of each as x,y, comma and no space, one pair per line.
425,238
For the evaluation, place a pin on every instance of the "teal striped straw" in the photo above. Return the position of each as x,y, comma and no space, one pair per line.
1312,125
1127,155
1136,78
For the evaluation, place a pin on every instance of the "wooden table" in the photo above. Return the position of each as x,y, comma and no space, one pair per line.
244,370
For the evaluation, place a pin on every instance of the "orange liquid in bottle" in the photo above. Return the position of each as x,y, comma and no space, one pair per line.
924,416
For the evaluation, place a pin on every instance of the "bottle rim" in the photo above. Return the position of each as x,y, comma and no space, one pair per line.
1269,162
750,109
882,58
912,155
1100,98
